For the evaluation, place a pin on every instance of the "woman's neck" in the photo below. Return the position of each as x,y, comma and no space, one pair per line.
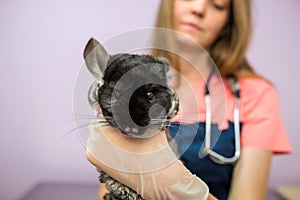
195,68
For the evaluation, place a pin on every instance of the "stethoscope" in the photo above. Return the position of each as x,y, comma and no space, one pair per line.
214,156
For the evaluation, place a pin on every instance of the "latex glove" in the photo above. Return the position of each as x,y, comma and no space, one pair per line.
148,166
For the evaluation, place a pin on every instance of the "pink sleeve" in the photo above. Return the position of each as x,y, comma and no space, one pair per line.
262,126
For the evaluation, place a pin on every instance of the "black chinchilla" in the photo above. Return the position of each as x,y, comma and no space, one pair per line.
134,96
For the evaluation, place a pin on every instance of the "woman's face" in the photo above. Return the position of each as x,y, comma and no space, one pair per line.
201,20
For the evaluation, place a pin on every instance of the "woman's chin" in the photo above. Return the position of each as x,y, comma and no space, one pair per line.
187,40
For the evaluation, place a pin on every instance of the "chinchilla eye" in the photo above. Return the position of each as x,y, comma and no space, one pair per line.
149,96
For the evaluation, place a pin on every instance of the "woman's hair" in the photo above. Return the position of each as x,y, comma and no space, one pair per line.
229,50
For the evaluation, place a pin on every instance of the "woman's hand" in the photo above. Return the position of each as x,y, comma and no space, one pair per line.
147,165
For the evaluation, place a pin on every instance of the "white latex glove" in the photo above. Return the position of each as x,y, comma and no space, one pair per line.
148,166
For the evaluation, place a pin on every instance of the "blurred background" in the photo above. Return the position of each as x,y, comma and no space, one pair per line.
41,45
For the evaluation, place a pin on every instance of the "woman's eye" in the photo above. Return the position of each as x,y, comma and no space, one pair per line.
149,96
218,7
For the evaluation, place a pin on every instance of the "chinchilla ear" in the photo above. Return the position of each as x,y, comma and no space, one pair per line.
165,61
169,73
96,58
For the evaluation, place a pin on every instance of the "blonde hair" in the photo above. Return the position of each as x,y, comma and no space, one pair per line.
229,50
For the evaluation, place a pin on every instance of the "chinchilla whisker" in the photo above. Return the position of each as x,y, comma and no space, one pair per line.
85,117
84,114
75,115
92,123
196,112
190,120
74,118
103,124
73,130
79,119
158,123
106,124
159,119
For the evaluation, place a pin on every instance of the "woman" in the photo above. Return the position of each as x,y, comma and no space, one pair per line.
222,28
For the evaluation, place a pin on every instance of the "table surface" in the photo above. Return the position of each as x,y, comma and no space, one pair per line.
291,192
80,191
62,191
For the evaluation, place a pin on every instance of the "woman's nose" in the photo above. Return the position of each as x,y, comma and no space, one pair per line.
198,7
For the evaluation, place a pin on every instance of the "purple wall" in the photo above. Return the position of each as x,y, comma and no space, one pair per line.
275,54
41,54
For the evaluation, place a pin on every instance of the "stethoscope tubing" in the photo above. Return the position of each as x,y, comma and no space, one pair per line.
214,156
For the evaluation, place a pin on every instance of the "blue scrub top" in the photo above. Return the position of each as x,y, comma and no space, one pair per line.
190,139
